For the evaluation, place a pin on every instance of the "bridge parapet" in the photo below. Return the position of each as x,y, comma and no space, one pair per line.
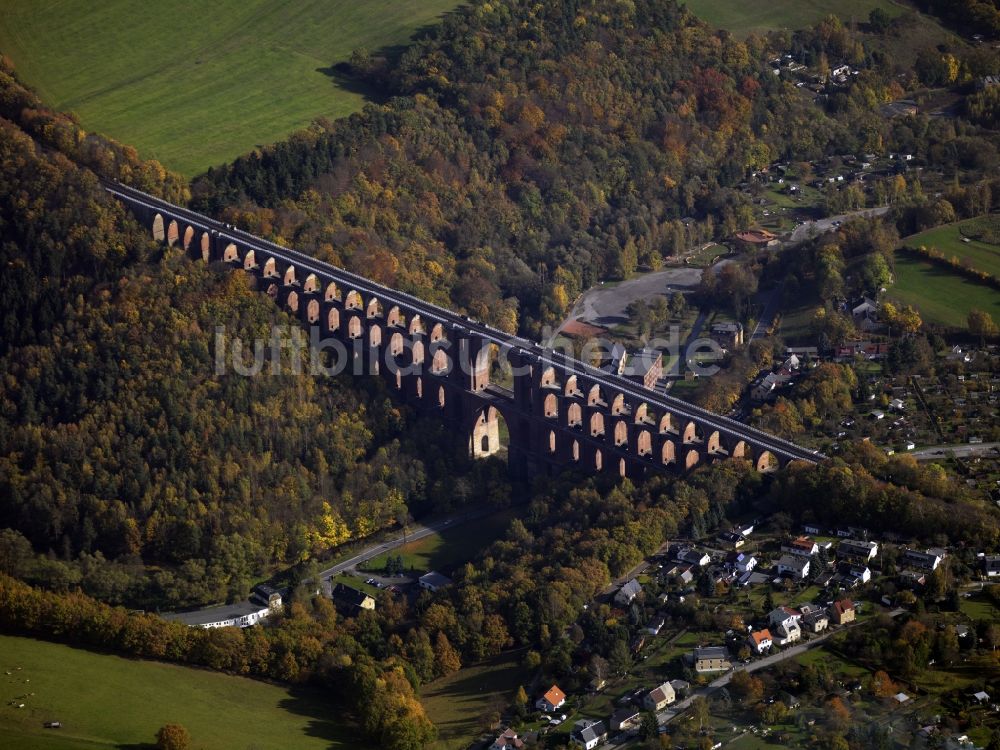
559,411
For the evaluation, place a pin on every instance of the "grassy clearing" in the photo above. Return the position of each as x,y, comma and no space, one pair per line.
940,295
445,550
105,700
742,17
195,84
456,703
949,239
978,607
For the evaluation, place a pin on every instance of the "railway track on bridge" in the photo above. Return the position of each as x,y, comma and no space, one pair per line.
459,323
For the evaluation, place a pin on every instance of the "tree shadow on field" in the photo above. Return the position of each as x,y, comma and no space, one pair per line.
328,718
373,86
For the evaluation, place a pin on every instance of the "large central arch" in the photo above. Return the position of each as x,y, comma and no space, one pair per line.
490,435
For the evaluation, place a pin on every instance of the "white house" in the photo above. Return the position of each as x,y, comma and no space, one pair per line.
794,566
802,546
627,593
784,635
784,616
554,698
856,550
588,734
760,641
433,581
742,562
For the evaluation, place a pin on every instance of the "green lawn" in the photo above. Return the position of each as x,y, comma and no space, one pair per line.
456,703
978,607
107,701
742,17
447,549
195,84
983,256
941,296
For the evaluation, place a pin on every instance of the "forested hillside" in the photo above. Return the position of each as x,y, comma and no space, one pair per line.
515,169
533,149
127,466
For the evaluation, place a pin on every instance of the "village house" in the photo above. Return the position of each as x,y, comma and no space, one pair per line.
741,562
842,612
926,560
507,740
760,641
655,625
816,621
552,699
627,593
727,335
865,315
350,600
685,575
850,549
853,576
588,734
692,556
783,616
765,387
786,634
433,581
659,698
802,546
756,238
710,659
267,595
793,565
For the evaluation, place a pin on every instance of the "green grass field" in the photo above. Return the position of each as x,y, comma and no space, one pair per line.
940,295
456,703
449,548
742,17
949,239
106,701
195,84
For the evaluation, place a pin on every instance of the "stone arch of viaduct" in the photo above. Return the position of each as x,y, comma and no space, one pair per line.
556,415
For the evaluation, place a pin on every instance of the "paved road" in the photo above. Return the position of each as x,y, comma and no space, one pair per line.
413,533
961,450
802,231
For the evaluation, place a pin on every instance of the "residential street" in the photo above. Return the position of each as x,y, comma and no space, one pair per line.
768,661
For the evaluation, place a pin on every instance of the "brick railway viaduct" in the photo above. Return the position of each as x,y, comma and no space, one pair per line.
558,412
